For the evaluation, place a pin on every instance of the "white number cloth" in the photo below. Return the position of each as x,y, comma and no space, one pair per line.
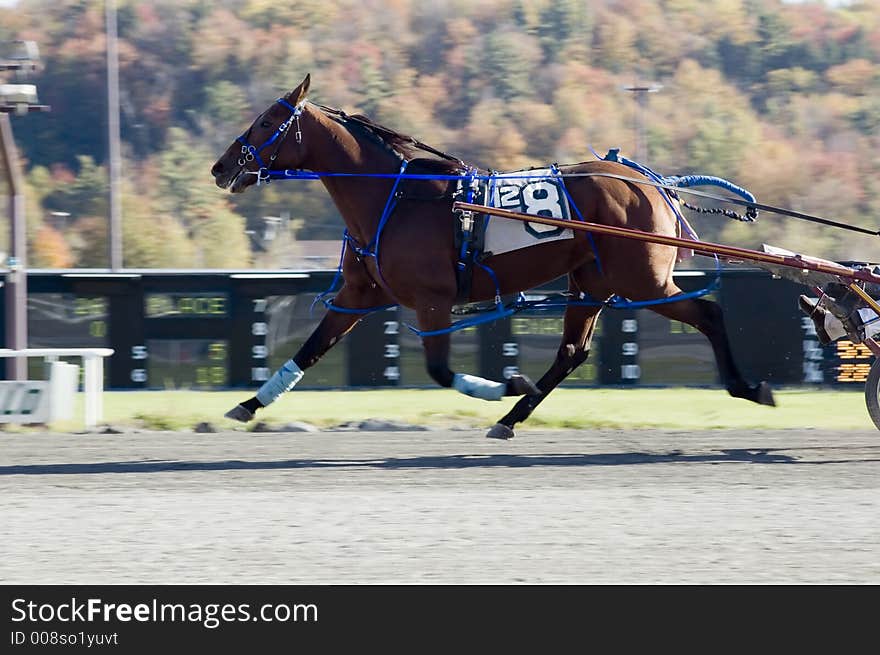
532,191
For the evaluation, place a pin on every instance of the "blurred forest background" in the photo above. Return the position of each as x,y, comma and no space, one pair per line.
779,97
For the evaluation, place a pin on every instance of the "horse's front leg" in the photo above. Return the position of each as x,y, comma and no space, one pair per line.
435,317
329,331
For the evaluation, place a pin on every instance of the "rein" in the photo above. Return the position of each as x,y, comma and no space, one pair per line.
265,174
743,203
298,174
467,179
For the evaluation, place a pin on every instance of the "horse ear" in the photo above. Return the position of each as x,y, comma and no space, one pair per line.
299,93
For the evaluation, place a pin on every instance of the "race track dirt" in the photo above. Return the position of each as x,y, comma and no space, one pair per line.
586,507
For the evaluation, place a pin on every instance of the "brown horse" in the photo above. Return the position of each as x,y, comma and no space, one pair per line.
416,265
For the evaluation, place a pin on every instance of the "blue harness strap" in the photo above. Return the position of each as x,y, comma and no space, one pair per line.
370,250
708,180
617,302
347,240
248,150
468,179
555,170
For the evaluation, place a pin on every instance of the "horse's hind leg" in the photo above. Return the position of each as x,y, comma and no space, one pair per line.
579,324
707,317
329,331
433,317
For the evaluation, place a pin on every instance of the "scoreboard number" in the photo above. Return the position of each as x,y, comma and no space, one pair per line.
259,350
855,362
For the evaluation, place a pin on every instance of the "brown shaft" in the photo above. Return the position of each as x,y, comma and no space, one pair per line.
698,246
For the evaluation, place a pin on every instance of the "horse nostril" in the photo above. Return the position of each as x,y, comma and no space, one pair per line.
218,168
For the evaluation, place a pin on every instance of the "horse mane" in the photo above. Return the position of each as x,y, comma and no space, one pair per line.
402,145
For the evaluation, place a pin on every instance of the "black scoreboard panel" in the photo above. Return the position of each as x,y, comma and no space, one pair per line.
499,352
184,339
675,353
536,339
463,356
764,326
618,349
288,322
187,363
194,305
65,320
847,363
372,349
226,329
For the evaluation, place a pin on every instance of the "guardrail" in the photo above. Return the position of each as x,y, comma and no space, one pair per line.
93,369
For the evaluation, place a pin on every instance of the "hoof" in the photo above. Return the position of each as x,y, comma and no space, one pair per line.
759,393
764,395
521,385
239,413
500,431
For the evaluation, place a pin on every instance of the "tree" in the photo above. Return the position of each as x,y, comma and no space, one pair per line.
152,239
89,242
226,112
499,82
490,140
856,77
511,60
85,195
221,241
50,250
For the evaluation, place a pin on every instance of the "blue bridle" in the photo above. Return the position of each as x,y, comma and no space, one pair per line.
251,153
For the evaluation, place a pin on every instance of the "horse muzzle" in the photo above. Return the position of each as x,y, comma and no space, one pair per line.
241,181
235,181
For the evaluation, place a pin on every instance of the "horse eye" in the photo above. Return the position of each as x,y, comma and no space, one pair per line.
266,124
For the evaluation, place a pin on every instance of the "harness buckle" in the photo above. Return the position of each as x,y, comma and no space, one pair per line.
467,221
298,134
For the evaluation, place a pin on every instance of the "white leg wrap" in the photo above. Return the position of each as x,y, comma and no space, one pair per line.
834,327
471,385
282,380
873,327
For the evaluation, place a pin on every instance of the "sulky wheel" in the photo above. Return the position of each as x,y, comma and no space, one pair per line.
872,392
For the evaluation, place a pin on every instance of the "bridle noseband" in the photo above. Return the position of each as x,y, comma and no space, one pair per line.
251,153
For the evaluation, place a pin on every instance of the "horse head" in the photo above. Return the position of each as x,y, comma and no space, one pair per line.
272,142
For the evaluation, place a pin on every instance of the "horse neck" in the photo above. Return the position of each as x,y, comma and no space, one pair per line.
360,200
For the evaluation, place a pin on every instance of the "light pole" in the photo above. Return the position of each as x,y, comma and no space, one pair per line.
114,157
20,99
640,93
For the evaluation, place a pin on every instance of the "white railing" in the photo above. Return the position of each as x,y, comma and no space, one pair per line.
93,368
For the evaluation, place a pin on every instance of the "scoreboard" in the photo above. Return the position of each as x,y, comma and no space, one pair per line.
65,320
185,305
213,330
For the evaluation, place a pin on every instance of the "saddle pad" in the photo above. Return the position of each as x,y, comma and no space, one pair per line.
531,191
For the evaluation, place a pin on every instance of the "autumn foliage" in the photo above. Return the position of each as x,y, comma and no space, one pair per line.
780,97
